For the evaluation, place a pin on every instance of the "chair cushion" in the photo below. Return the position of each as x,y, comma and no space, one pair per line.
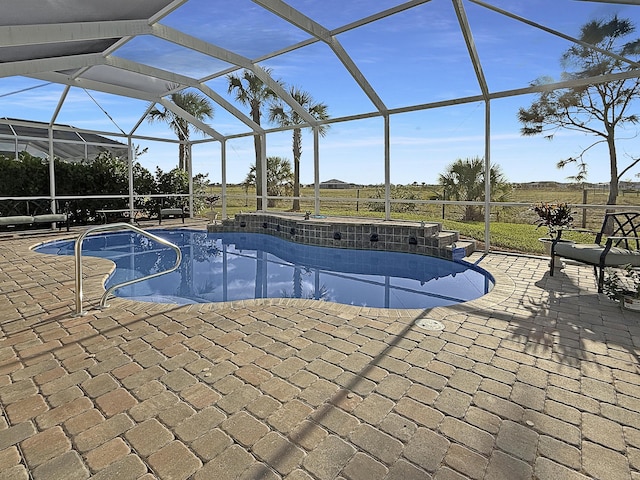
50,217
16,220
590,253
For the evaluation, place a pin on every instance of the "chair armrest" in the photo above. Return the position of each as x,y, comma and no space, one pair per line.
626,239
609,244
632,237
578,230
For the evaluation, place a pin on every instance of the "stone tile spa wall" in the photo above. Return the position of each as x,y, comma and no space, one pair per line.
364,234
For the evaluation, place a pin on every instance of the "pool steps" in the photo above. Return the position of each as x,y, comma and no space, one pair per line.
357,233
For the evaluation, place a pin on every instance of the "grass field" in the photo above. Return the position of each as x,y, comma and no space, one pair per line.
512,227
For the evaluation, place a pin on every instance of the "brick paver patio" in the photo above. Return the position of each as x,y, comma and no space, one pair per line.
539,379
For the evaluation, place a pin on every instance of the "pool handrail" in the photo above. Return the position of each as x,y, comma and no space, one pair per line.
109,227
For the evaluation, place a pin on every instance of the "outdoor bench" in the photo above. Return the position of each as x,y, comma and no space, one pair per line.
58,218
171,212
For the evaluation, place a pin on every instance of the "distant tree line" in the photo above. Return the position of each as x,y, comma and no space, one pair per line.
105,175
463,180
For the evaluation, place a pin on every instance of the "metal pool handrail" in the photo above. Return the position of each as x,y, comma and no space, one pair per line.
116,226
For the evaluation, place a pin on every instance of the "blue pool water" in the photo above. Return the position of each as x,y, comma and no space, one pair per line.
218,267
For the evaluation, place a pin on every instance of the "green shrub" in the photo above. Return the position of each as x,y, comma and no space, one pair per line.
398,192
105,175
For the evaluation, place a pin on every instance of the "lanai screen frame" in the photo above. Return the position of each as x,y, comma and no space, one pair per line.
28,35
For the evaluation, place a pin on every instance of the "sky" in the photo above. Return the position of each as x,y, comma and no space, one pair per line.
415,57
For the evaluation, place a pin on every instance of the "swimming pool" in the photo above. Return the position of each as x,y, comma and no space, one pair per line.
220,267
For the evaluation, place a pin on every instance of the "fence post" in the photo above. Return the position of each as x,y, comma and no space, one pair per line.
584,210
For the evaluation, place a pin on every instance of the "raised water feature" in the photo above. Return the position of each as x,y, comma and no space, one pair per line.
353,233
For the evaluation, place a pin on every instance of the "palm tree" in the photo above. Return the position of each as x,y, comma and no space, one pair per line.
251,91
464,181
289,117
191,102
279,177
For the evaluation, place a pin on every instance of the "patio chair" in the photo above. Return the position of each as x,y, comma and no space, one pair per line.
616,244
171,212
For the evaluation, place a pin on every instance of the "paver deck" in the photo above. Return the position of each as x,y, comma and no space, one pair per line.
539,379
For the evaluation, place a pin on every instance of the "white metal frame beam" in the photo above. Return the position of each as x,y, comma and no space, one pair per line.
183,81
169,105
20,35
471,46
95,85
298,19
53,64
557,33
345,28
316,30
63,97
166,11
193,43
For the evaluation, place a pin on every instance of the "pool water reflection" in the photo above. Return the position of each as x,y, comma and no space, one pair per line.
218,267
